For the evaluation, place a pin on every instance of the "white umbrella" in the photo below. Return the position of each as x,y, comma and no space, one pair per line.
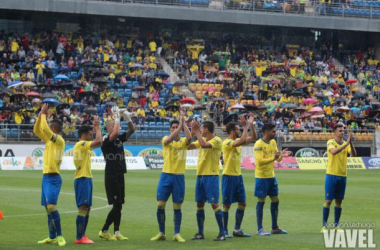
187,105
237,106
28,84
318,116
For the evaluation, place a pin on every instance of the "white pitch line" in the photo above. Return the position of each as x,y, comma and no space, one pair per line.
66,212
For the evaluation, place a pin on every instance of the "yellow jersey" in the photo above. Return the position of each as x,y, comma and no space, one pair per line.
264,158
82,159
231,158
174,156
337,164
208,158
54,147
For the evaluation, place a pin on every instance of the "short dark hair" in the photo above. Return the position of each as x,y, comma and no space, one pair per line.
84,130
268,127
174,122
337,126
209,125
230,127
57,124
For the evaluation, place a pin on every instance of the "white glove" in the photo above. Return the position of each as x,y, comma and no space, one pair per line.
116,115
127,116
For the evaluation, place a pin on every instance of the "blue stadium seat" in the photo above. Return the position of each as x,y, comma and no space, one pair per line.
121,131
158,134
138,134
120,91
128,93
151,134
14,132
182,134
152,125
166,132
123,124
5,132
126,100
129,85
161,100
136,84
74,75
160,125
166,125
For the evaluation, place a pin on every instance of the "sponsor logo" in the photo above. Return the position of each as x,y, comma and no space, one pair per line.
374,162
307,152
38,152
349,238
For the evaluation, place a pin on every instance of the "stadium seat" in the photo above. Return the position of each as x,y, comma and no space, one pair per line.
161,100
166,125
144,134
121,131
151,134
123,125
192,87
152,125
5,132
129,85
160,125
138,134
136,84
128,93
120,91
14,132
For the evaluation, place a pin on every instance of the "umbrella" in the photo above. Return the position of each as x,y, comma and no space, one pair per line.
139,88
88,93
226,90
300,109
365,107
101,72
179,83
111,103
290,106
199,108
318,116
172,107
76,104
359,95
91,111
309,101
6,90
32,94
187,100
18,94
343,109
187,105
248,97
47,95
230,118
65,85
51,101
61,77
261,107
359,122
250,107
36,100
210,89
320,96
296,93
163,74
318,86
238,106
136,65
303,86
355,101
351,81
329,93
116,95
99,80
340,99
316,109
305,115
218,99
28,84
14,84
63,106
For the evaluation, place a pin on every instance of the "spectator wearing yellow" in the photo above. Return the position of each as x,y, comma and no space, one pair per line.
14,46
194,68
19,117
140,112
161,112
155,104
152,46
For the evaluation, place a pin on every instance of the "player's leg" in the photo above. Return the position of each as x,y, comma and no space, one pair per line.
52,232
178,197
111,191
200,199
329,196
164,189
339,196
227,194
119,201
260,193
83,196
212,193
275,201
239,215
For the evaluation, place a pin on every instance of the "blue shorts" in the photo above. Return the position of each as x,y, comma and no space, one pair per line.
83,191
265,187
207,189
51,186
171,184
233,189
335,187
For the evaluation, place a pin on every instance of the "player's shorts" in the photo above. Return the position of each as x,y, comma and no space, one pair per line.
83,191
51,186
207,188
265,187
115,188
171,184
335,187
233,189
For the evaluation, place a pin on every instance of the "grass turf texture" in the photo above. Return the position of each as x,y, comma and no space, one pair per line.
301,200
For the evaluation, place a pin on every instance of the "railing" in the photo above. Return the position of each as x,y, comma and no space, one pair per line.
11,133
358,9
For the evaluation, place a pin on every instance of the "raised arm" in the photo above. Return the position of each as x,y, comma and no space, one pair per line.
335,151
97,142
37,129
243,139
131,126
202,142
116,128
353,150
173,135
259,156
187,132
252,137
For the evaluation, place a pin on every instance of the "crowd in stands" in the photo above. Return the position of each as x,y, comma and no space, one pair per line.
295,87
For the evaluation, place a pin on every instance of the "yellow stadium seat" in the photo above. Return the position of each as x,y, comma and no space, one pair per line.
304,136
204,86
211,85
217,94
218,87
296,136
199,95
199,87
192,87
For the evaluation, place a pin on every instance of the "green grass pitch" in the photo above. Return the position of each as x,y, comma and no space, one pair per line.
301,200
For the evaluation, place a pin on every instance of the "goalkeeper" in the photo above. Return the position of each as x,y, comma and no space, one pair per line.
113,152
